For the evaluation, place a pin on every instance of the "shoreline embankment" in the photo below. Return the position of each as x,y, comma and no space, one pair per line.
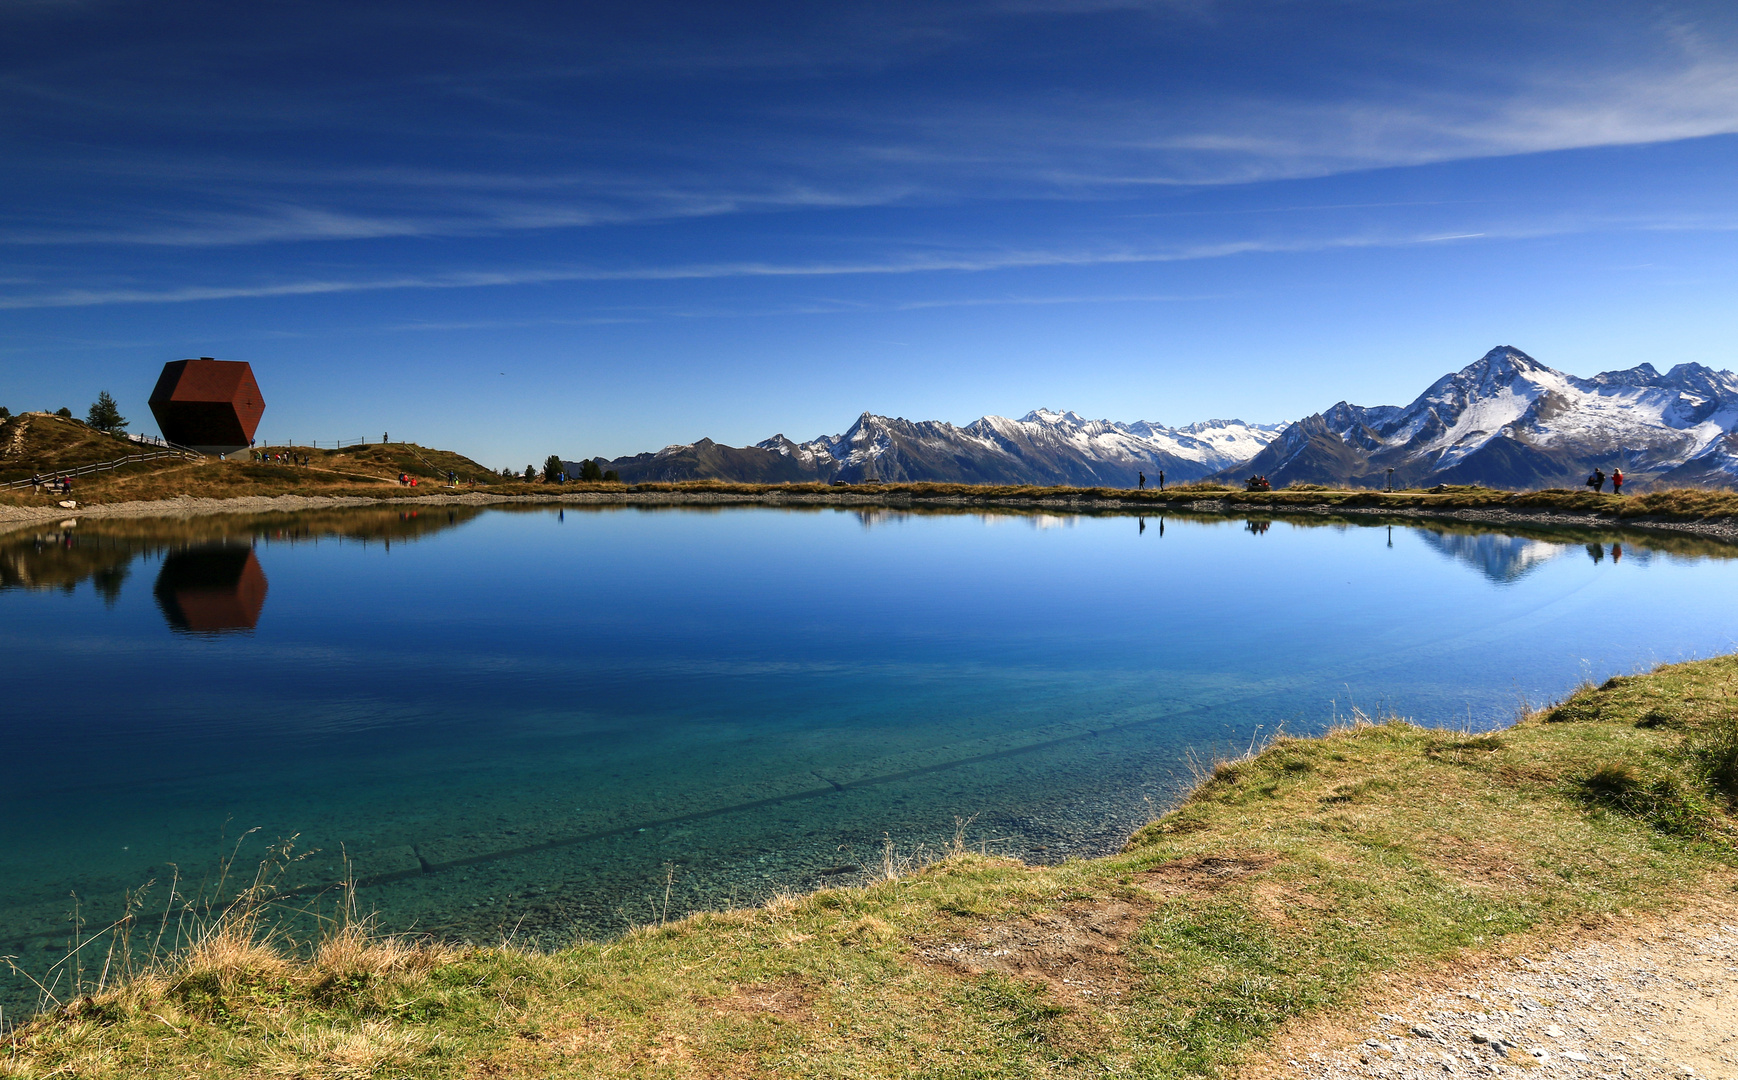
1482,507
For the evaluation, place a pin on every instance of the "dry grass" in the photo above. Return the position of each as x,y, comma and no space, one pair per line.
40,443
359,1053
50,443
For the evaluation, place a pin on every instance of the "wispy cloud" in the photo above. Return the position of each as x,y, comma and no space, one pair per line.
402,165
920,264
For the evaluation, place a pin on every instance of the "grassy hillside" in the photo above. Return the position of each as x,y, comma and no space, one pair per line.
41,443
48,444
1287,885
419,461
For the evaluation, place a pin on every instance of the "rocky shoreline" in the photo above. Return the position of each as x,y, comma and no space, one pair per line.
1724,528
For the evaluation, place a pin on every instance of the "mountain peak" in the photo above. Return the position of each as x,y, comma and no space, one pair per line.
1052,416
1505,357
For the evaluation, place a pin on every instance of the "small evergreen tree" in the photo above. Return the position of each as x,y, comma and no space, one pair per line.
5,413
530,473
105,416
589,471
552,468
63,412
610,476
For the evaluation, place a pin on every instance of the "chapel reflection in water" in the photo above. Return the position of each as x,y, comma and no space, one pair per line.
211,590
211,579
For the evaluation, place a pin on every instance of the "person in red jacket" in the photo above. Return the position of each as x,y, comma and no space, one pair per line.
1617,481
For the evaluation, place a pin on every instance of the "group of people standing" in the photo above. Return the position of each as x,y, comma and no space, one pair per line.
281,457
1597,481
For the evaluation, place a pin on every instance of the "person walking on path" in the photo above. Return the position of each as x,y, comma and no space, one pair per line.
1143,481
1617,481
1161,479
1597,480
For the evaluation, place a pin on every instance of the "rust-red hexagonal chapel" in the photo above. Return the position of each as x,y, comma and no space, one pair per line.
213,406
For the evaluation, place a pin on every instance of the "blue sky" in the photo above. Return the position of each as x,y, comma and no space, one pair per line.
522,229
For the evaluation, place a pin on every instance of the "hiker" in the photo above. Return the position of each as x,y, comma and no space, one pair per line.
1143,482
1597,480
1161,479
1616,483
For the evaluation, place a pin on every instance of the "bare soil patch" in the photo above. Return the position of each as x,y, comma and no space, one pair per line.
781,1000
1206,874
1078,950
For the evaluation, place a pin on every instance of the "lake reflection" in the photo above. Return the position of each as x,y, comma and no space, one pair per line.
529,718
211,589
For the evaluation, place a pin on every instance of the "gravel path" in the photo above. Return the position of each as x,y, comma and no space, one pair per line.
1662,1002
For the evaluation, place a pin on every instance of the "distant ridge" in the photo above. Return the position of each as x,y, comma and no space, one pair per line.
1505,420
1042,447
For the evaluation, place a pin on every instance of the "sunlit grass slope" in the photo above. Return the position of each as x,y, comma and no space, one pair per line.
1287,884
46,445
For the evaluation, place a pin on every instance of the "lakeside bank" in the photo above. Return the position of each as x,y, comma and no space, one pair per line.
1286,889
1713,514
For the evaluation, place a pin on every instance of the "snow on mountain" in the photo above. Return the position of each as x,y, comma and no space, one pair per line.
1042,447
1507,420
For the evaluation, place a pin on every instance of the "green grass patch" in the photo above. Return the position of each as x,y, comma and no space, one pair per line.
1287,884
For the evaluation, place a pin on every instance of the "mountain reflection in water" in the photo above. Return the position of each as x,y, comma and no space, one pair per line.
1505,559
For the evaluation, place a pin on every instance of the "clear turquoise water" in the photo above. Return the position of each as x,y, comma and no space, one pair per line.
532,722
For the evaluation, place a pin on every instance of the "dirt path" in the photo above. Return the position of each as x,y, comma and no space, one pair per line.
1655,1000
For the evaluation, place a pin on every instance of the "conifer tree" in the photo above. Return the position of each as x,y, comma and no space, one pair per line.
104,415
552,468
589,471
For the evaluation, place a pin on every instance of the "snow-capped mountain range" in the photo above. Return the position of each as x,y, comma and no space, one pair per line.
1507,420
1042,447
1504,420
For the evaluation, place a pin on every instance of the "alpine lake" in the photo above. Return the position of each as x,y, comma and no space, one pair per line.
545,724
